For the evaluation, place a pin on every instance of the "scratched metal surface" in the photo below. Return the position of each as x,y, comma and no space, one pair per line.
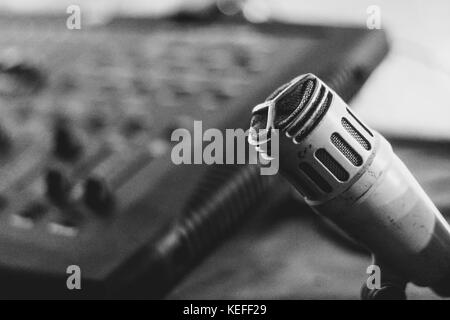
292,254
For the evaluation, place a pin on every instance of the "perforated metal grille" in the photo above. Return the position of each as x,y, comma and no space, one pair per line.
291,103
288,106
315,177
346,149
355,134
332,165
359,122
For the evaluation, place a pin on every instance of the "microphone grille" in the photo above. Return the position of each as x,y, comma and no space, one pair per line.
332,164
292,102
288,105
346,149
355,134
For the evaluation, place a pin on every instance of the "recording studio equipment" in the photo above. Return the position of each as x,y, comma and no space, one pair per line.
86,117
349,173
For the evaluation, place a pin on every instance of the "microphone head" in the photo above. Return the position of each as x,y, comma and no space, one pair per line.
323,145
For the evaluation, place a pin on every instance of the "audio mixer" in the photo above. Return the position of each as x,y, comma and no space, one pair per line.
86,118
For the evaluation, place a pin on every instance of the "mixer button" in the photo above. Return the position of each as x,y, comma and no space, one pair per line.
97,196
109,176
66,144
57,186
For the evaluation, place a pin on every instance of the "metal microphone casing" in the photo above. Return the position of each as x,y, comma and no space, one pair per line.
349,174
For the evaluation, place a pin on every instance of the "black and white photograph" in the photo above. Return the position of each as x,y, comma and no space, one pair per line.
217,158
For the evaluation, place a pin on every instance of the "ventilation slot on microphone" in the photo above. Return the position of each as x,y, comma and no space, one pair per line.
345,148
360,123
355,134
315,177
332,165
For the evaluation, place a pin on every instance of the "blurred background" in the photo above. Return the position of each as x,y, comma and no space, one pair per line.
294,256
420,47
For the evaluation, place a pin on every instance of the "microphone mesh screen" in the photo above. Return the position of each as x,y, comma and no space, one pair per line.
355,134
288,106
346,149
292,102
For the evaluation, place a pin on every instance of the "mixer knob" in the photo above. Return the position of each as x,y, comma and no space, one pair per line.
66,144
97,195
57,187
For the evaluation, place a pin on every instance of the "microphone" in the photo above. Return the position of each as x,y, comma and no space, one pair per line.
348,173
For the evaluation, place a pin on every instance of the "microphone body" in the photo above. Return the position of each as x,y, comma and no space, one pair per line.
349,173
